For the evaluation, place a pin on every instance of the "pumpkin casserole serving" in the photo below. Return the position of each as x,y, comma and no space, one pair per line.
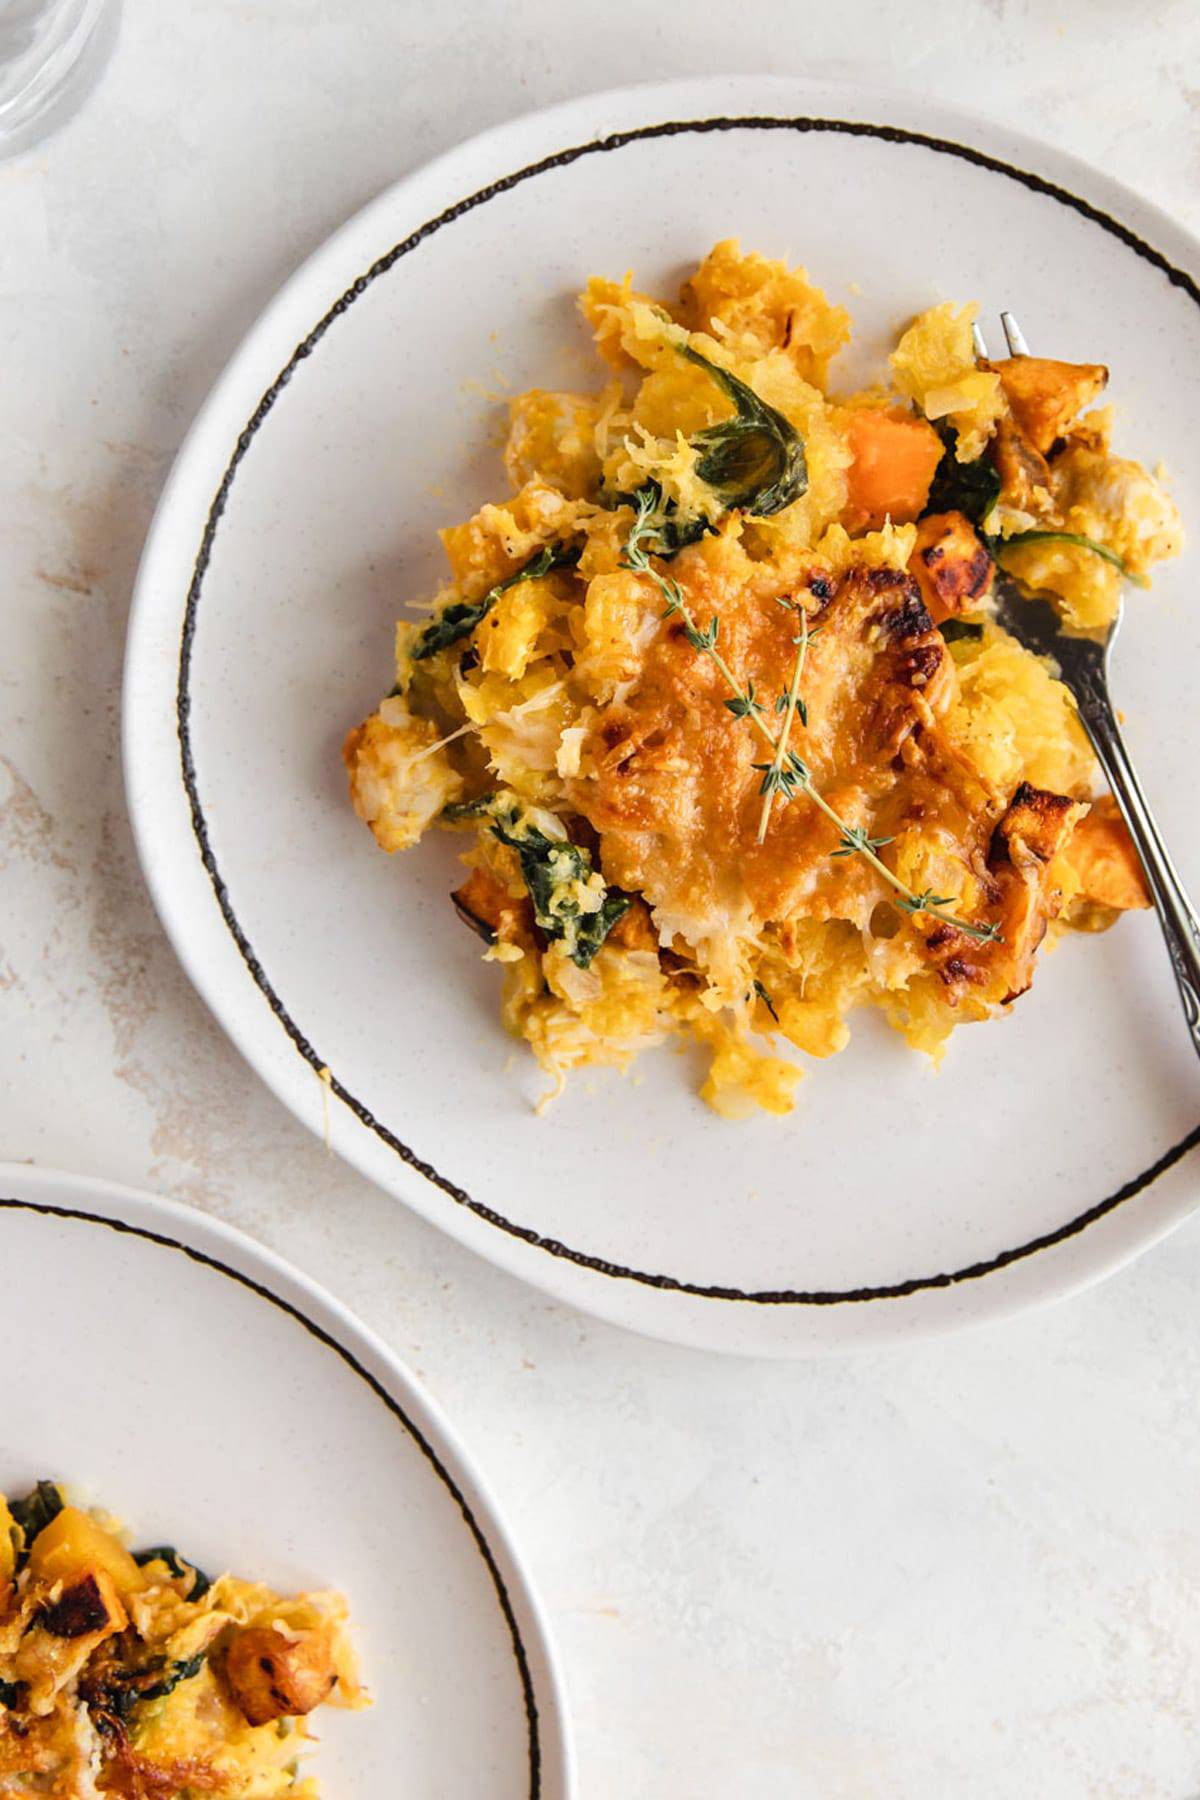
718,701
136,1675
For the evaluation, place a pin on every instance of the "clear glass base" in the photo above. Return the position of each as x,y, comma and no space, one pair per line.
51,54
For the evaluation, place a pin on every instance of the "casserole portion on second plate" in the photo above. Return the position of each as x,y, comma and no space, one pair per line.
136,1675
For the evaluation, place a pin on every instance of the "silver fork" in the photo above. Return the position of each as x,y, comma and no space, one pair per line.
1083,665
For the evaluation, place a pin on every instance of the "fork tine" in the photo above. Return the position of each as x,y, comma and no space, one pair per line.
1014,337
977,338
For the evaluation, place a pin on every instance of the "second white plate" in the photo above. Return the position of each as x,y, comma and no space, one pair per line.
174,1372
301,515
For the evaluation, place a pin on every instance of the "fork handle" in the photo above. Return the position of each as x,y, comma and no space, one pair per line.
1176,914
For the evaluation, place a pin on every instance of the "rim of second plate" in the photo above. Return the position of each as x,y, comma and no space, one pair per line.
226,1251
511,153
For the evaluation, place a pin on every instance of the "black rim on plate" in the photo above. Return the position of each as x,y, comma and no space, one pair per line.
44,1208
562,159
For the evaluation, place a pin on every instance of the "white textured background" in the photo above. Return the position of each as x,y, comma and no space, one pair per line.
967,1568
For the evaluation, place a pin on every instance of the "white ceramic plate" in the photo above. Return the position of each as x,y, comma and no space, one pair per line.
190,1381
358,416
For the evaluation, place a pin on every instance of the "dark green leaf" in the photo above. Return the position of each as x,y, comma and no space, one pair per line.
593,928
34,1513
113,1696
956,631
460,618
998,545
181,1569
972,488
754,461
549,865
744,706
671,530
174,1675
469,809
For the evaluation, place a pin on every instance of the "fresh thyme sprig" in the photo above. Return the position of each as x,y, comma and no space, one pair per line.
786,773
766,999
773,781
745,703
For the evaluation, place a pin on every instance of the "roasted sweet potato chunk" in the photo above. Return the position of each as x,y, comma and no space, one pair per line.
1102,855
634,930
1035,828
895,459
88,1607
484,904
273,1676
1024,889
951,564
75,1544
1045,397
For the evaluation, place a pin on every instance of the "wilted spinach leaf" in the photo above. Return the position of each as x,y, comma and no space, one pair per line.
178,1566
469,809
173,1675
113,1696
548,866
972,488
460,618
754,461
998,545
34,1513
674,530
956,630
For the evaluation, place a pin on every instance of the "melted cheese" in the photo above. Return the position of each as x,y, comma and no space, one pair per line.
585,696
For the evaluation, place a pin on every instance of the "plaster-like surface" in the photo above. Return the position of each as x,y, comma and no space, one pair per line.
970,1567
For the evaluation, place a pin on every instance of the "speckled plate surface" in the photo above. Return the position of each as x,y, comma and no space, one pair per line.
354,420
191,1382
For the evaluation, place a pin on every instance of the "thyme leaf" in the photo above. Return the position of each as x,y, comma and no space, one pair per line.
783,764
855,840
766,999
743,705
